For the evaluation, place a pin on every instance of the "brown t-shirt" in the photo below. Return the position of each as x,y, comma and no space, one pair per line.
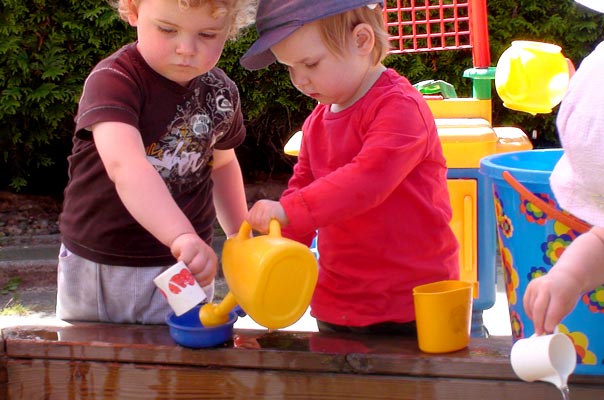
180,128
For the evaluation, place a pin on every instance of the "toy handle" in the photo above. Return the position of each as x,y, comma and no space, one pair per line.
274,229
568,220
244,231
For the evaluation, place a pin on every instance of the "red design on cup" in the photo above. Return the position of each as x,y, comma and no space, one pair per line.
181,280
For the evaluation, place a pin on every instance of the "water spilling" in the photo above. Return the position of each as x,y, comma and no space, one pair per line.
565,393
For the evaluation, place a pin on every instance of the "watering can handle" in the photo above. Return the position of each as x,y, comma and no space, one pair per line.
568,220
244,231
274,229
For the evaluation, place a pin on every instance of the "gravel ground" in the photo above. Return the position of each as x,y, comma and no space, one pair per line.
28,215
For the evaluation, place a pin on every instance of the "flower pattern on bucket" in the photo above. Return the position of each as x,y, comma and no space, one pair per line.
533,213
595,300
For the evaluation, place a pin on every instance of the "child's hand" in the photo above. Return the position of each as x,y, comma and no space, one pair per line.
549,298
197,255
263,211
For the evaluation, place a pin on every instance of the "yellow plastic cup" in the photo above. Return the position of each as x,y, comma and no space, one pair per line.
443,313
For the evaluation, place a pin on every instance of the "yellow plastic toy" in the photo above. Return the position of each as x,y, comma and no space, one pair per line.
443,312
271,277
532,76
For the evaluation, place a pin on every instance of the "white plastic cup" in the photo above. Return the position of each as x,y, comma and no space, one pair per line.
180,289
549,358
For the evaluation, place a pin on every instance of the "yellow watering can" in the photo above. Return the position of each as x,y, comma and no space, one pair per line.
271,277
532,76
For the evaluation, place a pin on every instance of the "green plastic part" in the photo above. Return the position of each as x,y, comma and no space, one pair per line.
481,81
432,87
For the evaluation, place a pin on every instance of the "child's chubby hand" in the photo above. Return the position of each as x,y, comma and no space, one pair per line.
549,298
197,255
263,211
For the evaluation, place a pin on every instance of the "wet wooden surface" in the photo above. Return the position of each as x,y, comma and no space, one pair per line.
101,361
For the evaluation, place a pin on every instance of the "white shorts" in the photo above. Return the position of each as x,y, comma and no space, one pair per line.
89,291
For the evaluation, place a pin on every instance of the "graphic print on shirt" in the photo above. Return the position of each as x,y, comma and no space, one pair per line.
185,151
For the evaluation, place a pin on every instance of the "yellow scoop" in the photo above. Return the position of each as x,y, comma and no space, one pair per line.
271,277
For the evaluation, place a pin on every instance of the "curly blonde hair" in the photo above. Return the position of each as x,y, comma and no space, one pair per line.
242,12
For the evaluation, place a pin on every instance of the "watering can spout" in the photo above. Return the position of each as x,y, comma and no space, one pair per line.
211,314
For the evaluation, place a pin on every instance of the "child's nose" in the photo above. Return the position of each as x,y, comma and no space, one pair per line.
186,46
298,79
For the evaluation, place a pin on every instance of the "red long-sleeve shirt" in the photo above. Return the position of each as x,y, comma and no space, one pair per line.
372,180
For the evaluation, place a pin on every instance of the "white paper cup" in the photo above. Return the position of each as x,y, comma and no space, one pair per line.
549,358
179,287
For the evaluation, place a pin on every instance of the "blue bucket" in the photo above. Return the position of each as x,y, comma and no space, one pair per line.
533,232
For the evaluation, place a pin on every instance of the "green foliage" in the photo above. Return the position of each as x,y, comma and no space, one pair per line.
14,308
11,286
47,48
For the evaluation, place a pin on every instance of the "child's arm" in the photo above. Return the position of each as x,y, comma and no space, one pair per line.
229,193
548,299
147,198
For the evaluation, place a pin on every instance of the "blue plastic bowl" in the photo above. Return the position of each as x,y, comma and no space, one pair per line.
188,331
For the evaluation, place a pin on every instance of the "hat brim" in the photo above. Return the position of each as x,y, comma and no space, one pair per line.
596,5
274,27
259,55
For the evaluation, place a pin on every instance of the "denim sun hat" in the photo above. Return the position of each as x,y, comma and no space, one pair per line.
277,19
596,5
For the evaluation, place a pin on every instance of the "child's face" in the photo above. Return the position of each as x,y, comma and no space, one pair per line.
319,73
179,44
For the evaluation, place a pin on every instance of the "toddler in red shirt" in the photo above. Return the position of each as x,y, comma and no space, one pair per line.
370,176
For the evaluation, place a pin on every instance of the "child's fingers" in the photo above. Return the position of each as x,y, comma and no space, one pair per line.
204,268
560,306
527,302
540,309
259,217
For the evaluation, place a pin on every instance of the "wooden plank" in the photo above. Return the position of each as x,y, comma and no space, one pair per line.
60,379
125,351
281,350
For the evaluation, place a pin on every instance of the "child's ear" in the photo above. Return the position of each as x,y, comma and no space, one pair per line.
132,13
363,38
